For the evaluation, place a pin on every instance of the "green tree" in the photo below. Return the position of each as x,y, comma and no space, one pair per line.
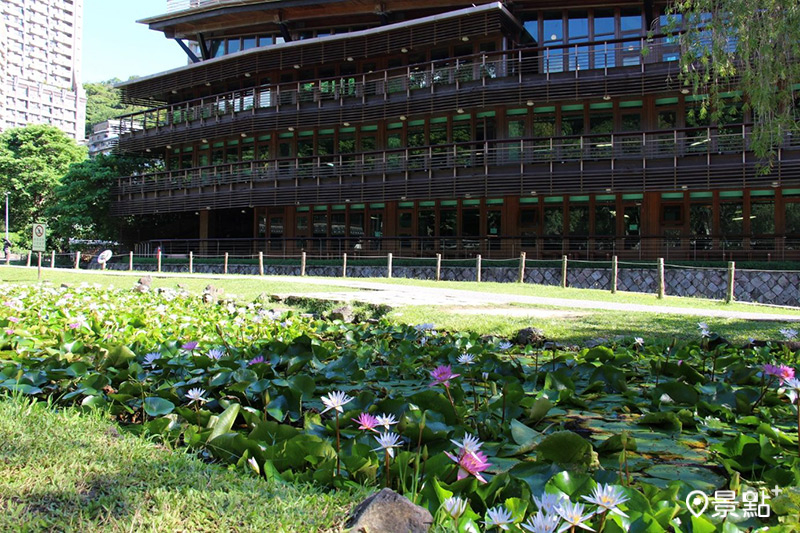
752,46
103,101
84,199
33,160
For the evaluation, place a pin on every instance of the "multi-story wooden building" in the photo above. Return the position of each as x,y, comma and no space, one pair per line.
425,126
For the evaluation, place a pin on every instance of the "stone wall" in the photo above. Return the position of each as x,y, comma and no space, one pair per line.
770,287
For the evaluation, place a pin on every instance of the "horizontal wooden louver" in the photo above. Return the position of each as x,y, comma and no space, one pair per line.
392,40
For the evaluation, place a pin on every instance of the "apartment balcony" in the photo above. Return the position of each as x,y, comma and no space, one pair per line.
607,69
681,159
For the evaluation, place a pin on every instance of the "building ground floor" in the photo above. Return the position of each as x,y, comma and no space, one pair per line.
702,225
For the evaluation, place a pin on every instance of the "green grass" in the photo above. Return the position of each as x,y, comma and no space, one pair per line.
597,295
246,288
591,324
75,471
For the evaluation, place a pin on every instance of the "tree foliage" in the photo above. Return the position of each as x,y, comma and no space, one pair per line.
33,160
84,199
103,101
752,46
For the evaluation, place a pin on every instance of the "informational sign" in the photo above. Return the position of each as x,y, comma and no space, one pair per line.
104,257
39,237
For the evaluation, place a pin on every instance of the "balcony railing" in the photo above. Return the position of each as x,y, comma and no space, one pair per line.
181,5
562,62
598,149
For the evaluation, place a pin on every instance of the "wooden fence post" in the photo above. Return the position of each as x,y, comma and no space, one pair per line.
77,260
729,297
130,261
344,265
522,267
260,263
438,267
662,285
478,268
225,266
614,274
28,264
563,271
191,262
158,259
389,265
53,259
303,264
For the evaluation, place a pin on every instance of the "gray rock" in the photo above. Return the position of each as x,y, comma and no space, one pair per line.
388,512
212,294
532,336
343,313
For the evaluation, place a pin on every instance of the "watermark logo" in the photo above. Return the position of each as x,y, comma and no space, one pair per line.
753,503
697,502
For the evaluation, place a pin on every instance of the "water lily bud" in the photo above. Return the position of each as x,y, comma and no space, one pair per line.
425,453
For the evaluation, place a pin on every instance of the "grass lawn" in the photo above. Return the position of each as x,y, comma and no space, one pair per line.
247,288
583,325
66,470
598,295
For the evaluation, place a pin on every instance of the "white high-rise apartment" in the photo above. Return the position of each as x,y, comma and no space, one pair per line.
40,65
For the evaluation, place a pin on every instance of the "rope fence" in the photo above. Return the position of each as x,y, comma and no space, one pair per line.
639,276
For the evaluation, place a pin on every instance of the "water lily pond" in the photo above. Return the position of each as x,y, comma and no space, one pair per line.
488,435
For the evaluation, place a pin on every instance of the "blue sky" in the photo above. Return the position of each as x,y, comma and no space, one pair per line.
115,46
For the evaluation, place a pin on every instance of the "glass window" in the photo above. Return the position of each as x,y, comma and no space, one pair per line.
233,45
553,227
553,35
578,32
604,54
337,224
470,222
320,225
731,224
762,223
426,228
248,43
762,218
793,217
605,219
672,214
356,224
578,226
632,216
528,225
700,225
632,26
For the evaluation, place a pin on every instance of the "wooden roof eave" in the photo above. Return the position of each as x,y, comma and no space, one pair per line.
358,44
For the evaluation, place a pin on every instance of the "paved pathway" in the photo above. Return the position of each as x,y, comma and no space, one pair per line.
398,295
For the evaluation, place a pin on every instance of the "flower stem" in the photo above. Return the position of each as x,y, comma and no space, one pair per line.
338,463
450,397
386,467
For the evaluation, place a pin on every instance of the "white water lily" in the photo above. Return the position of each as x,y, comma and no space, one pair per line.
470,444
196,395
542,522
335,400
455,507
388,441
608,497
499,517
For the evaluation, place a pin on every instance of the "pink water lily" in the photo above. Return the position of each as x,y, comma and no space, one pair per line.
782,372
442,375
367,422
470,464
